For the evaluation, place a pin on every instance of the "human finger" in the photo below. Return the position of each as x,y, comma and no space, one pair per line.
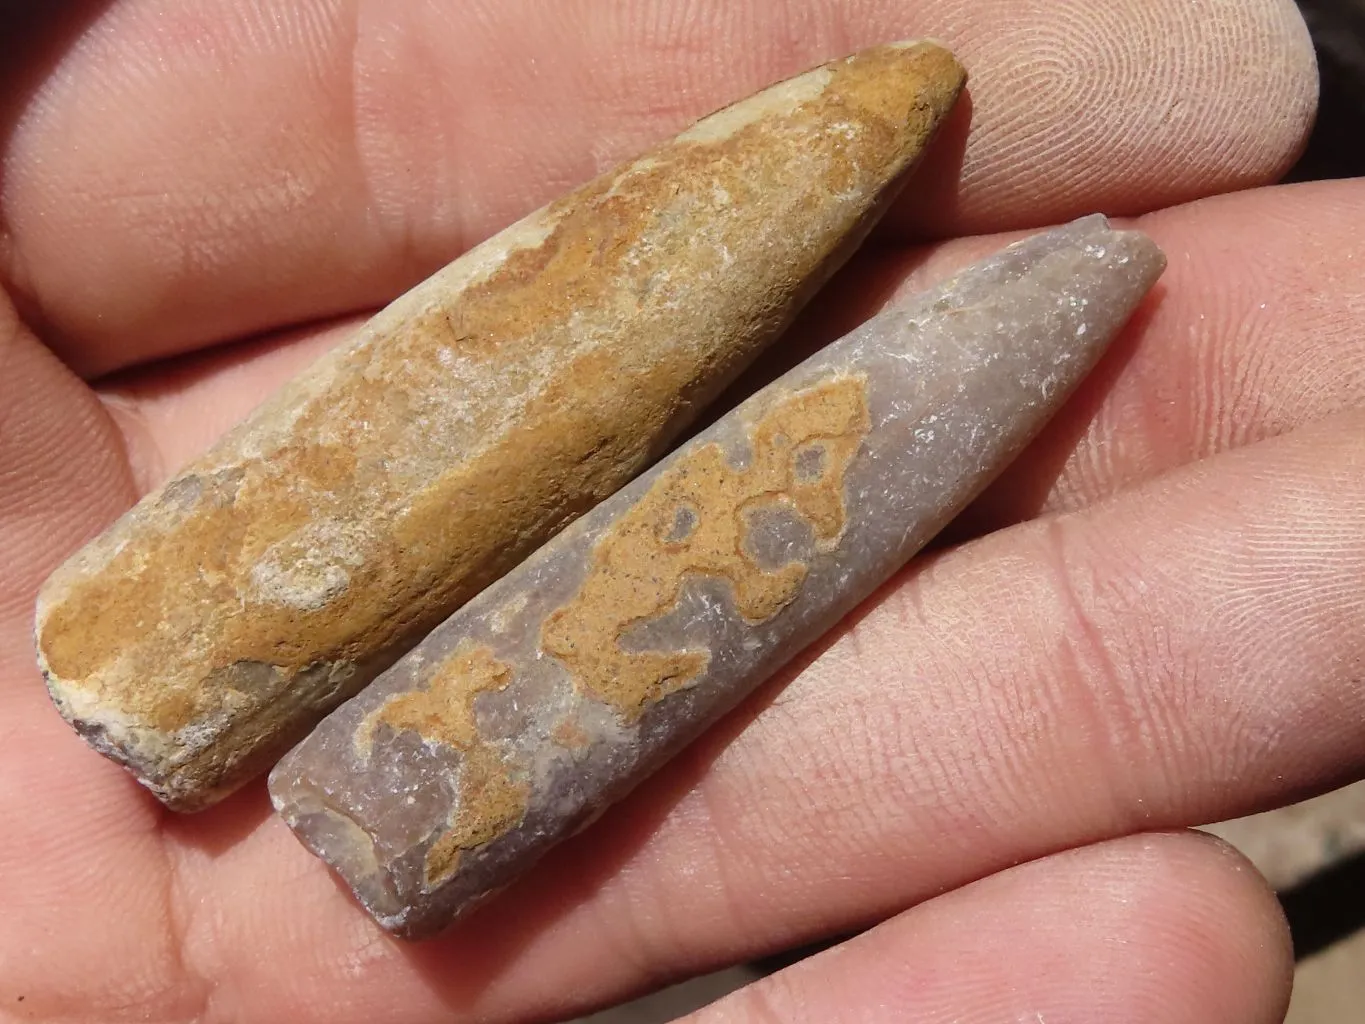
185,175
87,930
1161,927
1258,327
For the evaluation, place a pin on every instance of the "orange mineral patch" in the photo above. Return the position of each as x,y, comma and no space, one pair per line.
491,799
693,522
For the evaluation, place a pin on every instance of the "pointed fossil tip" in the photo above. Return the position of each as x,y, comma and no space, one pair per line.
1097,247
1138,252
883,78
1106,271
1099,224
1086,253
1092,221
1124,263
935,62
935,52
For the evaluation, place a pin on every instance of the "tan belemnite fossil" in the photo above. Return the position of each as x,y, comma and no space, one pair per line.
215,623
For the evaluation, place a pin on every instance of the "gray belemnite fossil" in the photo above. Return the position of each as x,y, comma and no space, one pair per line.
557,689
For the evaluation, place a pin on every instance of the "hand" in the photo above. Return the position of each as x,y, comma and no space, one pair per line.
1154,620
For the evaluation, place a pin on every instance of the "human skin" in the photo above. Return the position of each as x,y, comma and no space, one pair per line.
1151,622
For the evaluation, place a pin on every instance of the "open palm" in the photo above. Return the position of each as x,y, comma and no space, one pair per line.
1156,625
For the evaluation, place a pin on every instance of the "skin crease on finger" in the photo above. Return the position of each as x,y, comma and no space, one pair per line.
149,208
1171,928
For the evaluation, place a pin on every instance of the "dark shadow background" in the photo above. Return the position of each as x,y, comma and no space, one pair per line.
1337,146
1326,907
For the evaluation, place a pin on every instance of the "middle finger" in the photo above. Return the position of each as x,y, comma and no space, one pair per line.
1259,328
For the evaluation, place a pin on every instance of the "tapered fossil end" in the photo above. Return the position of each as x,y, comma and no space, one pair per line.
560,687
217,621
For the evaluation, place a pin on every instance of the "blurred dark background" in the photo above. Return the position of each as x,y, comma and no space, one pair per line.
1337,147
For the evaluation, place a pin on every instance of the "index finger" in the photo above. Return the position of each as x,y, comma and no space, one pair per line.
187,174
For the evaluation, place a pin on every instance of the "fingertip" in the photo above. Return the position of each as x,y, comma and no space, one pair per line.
1216,912
1125,107
1172,927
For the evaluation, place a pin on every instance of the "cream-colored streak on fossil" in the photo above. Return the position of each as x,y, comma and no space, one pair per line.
561,686
216,622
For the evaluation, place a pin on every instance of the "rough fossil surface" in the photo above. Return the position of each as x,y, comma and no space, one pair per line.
557,689
216,622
